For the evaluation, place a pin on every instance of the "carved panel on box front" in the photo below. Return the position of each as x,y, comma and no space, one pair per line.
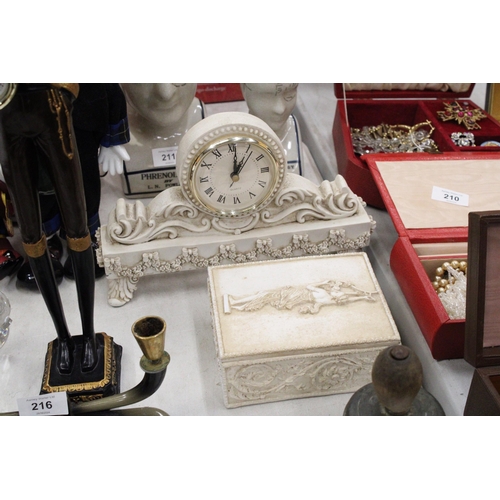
290,378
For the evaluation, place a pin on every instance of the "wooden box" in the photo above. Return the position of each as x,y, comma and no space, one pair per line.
482,326
299,327
431,231
356,109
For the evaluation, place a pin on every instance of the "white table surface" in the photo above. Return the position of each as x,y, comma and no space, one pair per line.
192,384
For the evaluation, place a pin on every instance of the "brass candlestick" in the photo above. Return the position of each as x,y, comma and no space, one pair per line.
149,332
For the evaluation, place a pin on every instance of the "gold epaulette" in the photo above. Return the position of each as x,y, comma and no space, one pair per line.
74,88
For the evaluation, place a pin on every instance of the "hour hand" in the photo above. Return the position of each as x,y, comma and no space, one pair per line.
235,160
234,173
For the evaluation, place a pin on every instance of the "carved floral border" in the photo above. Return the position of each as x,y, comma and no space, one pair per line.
299,245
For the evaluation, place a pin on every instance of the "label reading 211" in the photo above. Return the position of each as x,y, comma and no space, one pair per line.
164,157
448,196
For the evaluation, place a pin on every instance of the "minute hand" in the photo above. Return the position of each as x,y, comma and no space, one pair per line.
242,163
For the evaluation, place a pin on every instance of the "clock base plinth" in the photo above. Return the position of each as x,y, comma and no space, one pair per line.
171,235
126,264
102,381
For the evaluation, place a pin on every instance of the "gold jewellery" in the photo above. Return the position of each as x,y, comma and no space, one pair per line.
462,115
394,139
444,278
450,283
58,107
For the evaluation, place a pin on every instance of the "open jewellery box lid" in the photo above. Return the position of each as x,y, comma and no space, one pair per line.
429,197
342,93
482,323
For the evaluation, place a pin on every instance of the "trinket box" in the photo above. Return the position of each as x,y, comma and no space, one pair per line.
298,327
417,111
429,201
482,330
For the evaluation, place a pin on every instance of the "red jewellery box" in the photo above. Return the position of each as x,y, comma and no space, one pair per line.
429,198
371,108
482,326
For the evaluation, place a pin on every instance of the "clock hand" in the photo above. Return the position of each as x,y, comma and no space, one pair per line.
243,162
234,173
235,176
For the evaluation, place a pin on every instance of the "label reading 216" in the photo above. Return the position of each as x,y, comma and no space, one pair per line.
448,196
47,404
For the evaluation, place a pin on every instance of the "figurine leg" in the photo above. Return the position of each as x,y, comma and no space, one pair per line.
88,151
40,261
66,175
99,271
82,259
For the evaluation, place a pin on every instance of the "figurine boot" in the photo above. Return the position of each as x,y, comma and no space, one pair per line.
44,275
83,271
25,276
98,270
93,224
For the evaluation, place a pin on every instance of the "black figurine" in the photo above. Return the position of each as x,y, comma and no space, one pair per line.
37,122
101,129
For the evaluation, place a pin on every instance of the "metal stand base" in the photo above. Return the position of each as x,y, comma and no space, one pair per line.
364,402
101,382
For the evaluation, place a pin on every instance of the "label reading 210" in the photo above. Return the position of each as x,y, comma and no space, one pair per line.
448,196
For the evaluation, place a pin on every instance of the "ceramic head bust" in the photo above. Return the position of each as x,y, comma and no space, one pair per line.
160,104
271,102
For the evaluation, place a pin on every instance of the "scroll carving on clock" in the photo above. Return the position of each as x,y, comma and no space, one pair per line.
170,215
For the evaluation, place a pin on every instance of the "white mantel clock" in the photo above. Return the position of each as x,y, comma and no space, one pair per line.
235,203
231,166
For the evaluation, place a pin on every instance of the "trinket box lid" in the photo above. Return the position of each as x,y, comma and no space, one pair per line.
363,92
482,319
429,198
259,309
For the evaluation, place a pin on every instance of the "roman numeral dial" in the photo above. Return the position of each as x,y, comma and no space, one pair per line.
235,176
232,171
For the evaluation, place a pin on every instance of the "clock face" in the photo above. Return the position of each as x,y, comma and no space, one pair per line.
230,165
234,176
